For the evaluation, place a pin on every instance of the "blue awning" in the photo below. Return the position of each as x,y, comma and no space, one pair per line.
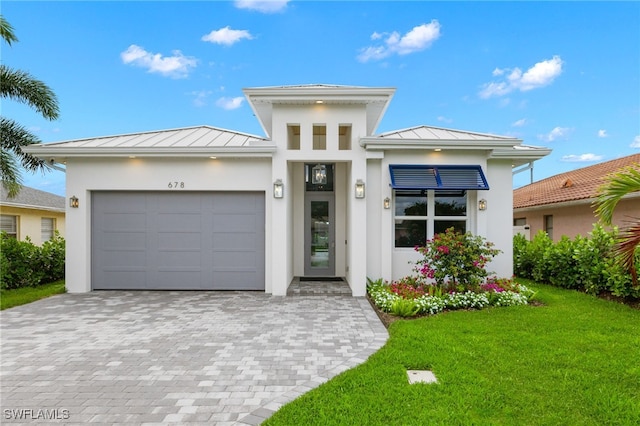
423,176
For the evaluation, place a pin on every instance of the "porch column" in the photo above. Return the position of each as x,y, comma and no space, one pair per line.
280,241
357,243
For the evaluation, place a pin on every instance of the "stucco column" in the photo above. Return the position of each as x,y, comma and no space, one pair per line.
358,230
279,256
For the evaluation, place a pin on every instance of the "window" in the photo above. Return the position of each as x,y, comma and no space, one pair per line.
344,137
520,221
421,214
47,228
319,137
9,224
293,136
548,225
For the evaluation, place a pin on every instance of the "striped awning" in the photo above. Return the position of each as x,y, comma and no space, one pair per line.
424,176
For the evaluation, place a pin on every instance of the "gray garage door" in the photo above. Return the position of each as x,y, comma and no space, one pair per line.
178,241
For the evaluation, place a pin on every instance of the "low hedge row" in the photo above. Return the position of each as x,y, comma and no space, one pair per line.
584,263
24,264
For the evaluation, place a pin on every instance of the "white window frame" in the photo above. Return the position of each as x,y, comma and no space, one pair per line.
47,232
13,230
430,218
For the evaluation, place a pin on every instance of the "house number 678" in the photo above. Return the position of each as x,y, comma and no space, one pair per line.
176,185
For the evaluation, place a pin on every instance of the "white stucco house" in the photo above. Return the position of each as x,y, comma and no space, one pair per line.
321,194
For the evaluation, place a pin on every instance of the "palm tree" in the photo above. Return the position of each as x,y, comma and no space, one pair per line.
616,186
21,87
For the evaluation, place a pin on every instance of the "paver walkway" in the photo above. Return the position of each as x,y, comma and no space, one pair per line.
176,357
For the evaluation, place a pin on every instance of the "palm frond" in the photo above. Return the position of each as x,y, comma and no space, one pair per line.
24,88
625,248
616,186
13,137
6,31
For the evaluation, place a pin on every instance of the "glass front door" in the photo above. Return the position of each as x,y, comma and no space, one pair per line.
319,235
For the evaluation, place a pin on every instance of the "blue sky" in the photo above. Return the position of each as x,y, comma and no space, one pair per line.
565,75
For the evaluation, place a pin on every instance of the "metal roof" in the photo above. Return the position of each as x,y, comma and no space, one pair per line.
439,133
374,99
33,199
200,140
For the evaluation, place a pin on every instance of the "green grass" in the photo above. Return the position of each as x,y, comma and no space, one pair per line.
573,361
21,296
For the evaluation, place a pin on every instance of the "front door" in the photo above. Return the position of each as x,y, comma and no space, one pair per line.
319,239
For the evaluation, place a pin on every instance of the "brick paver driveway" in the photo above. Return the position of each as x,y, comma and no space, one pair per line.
175,357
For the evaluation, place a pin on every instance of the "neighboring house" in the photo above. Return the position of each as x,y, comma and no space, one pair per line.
32,213
563,204
322,195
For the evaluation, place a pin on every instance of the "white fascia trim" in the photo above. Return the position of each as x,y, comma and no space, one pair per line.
445,144
253,151
30,207
529,154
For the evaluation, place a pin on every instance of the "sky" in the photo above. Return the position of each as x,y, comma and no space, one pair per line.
563,75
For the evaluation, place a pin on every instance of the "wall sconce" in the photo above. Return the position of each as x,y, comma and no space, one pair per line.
482,205
387,203
319,174
74,202
278,189
359,188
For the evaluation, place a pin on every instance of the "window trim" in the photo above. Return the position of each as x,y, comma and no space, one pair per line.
430,219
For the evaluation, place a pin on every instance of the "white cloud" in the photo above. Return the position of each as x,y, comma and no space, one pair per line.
445,119
264,6
419,38
636,142
541,74
519,123
582,158
556,133
230,103
176,66
226,36
603,133
200,97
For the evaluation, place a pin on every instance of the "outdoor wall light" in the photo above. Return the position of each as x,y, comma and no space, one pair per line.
359,188
387,203
74,202
319,174
482,205
278,189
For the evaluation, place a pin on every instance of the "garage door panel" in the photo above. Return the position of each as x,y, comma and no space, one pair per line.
169,240
125,222
191,240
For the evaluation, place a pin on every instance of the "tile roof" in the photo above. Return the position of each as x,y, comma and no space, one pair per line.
579,184
33,198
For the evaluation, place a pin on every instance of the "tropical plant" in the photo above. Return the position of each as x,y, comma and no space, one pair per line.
456,260
617,185
20,86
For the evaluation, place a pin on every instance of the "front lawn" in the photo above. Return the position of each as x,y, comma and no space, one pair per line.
574,360
24,295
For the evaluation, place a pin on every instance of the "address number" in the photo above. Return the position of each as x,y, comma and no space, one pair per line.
176,185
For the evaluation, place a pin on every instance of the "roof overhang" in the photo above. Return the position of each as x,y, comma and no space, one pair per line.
375,99
376,143
56,152
6,203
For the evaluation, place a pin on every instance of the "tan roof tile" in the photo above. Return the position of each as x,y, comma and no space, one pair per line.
577,184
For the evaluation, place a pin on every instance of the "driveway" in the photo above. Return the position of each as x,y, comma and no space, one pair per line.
175,357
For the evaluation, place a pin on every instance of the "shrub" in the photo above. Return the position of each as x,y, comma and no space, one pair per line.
584,263
23,264
455,260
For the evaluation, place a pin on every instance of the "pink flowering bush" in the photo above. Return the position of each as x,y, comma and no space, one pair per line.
455,261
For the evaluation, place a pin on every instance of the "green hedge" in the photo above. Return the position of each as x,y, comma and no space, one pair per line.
584,263
23,264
